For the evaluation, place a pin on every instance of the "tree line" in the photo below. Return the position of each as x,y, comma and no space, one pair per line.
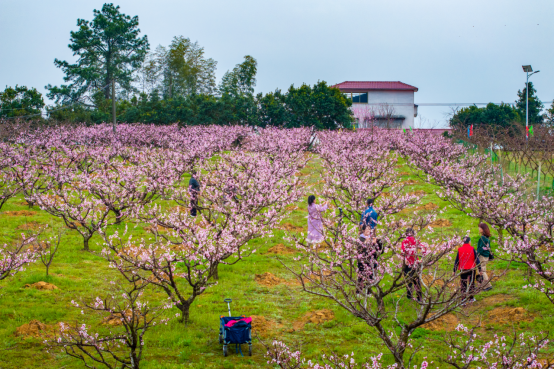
505,115
116,70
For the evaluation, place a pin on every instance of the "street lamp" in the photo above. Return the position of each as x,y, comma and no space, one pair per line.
527,69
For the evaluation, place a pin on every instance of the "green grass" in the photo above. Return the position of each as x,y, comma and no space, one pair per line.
81,275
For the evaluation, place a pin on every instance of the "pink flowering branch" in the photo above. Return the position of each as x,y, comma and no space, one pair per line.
521,352
13,259
121,347
279,354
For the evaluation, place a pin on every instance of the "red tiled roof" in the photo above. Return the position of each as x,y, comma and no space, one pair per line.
354,86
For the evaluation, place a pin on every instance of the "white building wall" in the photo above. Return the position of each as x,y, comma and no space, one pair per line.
402,101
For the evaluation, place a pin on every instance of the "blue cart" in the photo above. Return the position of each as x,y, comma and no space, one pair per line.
239,333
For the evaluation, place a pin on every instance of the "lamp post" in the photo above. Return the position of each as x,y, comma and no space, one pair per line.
527,69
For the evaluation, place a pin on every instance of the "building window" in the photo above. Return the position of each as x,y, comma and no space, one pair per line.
356,97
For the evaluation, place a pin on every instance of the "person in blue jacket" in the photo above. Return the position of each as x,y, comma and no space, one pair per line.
369,217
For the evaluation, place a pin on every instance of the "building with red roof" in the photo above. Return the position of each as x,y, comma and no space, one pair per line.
391,103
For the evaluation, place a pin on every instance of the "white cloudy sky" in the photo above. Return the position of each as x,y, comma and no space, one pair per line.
456,51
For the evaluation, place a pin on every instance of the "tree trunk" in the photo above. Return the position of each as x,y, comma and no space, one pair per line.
47,266
215,272
135,362
113,105
85,243
185,314
117,213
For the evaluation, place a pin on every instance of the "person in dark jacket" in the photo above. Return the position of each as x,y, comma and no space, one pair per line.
369,249
369,217
484,253
194,190
410,250
466,262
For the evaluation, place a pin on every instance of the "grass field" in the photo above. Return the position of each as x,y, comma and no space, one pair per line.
280,310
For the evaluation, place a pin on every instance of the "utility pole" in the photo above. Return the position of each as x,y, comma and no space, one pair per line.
113,105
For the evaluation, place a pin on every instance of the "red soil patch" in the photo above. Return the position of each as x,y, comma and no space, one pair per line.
269,280
314,317
409,182
41,285
428,207
280,249
404,174
262,326
440,223
317,278
19,213
418,193
33,225
35,329
447,322
493,300
115,319
439,283
508,315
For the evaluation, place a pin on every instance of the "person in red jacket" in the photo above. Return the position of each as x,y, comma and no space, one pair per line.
410,250
466,262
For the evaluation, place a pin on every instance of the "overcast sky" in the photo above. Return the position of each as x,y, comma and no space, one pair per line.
453,51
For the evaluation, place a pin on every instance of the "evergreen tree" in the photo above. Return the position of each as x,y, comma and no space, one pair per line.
502,115
535,105
20,101
108,48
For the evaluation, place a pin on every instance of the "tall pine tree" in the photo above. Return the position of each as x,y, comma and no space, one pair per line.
535,105
108,48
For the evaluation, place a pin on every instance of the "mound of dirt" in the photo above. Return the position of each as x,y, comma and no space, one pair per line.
315,317
418,193
439,283
33,329
428,207
19,213
447,322
115,318
268,279
493,300
262,326
404,174
508,315
317,278
41,285
440,223
409,182
33,225
280,249
290,227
